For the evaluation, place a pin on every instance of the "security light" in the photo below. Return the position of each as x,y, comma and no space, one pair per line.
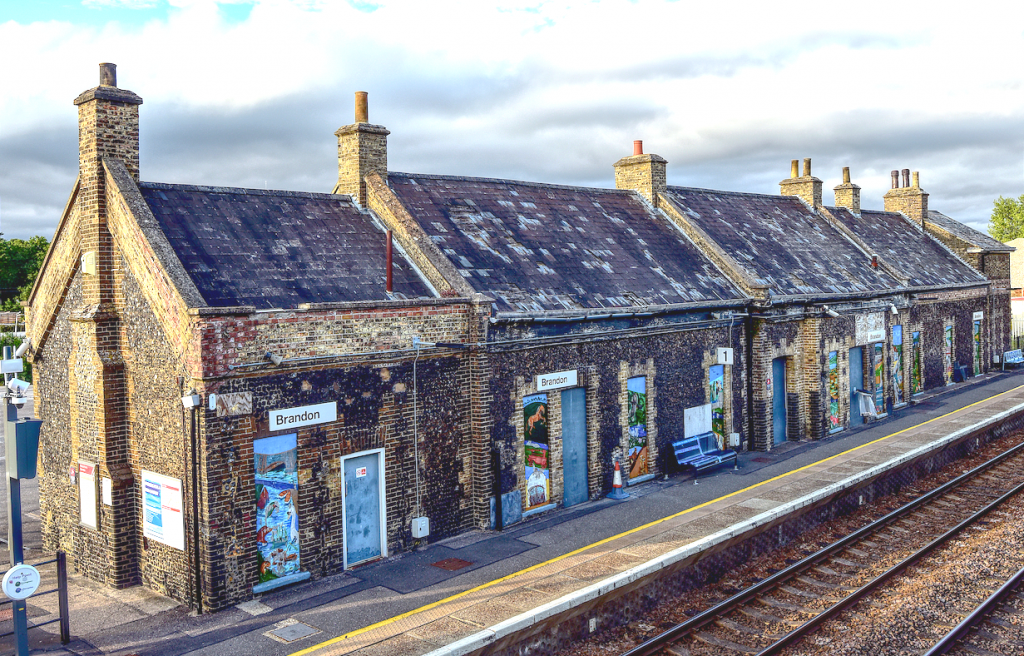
830,312
892,307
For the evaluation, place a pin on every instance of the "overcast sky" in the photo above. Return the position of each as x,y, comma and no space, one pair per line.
250,93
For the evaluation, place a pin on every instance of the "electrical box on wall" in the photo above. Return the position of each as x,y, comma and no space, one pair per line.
734,440
725,356
89,263
420,527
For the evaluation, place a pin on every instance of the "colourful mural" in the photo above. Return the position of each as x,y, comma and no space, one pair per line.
536,450
897,366
916,381
947,355
636,397
277,517
834,419
977,347
879,361
716,385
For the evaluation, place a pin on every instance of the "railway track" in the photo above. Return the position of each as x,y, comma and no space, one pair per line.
781,610
996,625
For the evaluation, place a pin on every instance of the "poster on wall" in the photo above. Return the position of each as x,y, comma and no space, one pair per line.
162,519
87,493
636,398
947,354
277,518
536,450
716,392
834,420
977,346
697,420
916,384
897,365
879,362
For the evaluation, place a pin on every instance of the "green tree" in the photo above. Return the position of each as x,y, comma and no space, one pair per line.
1007,220
20,261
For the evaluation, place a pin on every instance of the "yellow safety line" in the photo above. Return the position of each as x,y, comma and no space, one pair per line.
459,595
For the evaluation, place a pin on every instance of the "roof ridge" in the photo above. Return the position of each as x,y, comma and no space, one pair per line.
245,191
542,185
731,193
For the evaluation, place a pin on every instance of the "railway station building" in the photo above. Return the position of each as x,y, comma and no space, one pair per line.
243,389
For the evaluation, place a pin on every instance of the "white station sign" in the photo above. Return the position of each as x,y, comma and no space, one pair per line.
978,316
21,581
557,380
306,415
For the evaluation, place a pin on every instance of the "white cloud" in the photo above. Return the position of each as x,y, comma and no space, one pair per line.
549,90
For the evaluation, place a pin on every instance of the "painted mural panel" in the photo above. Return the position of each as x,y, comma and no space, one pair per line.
834,419
879,363
636,397
916,381
947,354
716,384
277,518
897,366
977,347
537,455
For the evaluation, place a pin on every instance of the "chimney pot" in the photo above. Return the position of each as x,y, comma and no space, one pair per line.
362,108
895,179
906,177
846,175
638,147
807,167
794,168
108,75
917,179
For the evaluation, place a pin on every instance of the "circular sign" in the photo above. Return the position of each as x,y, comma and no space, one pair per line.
21,581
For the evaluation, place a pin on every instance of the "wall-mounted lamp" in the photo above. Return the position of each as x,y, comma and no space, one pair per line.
275,358
830,312
892,308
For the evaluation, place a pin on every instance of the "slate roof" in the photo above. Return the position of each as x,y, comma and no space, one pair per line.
277,249
781,242
537,247
967,234
908,248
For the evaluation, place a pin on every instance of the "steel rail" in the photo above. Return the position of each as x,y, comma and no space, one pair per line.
655,644
812,624
977,616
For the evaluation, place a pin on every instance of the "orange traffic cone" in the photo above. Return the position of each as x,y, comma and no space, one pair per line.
617,491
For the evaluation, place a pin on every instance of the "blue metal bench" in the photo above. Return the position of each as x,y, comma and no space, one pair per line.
697,452
1012,358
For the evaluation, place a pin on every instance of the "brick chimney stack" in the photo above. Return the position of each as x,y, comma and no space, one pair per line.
108,128
806,186
909,199
108,131
644,174
362,150
848,194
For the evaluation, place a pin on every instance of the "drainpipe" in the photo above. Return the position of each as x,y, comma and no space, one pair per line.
749,365
196,562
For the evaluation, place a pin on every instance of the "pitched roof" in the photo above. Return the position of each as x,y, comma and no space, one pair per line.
277,249
535,247
967,234
907,247
781,242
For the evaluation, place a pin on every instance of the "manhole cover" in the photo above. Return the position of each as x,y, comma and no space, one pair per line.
293,632
452,564
760,459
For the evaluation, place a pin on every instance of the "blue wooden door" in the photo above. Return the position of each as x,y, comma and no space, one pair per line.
856,383
574,447
363,520
779,400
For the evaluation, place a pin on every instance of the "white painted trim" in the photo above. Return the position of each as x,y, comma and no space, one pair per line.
383,506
